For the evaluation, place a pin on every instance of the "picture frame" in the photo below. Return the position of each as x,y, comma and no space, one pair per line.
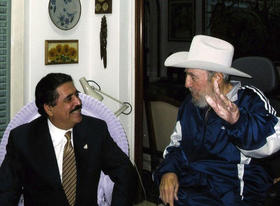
61,52
181,21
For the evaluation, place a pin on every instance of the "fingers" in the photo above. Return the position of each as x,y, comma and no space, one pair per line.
211,102
176,192
227,103
222,99
216,87
223,107
216,106
275,180
169,188
167,194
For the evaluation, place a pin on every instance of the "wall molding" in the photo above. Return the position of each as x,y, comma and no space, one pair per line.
17,57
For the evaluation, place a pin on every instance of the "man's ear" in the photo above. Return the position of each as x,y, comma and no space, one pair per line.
48,109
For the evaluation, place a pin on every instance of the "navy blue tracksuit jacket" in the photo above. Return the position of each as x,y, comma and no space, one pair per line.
214,160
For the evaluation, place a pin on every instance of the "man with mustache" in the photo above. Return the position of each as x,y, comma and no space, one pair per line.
221,127
34,163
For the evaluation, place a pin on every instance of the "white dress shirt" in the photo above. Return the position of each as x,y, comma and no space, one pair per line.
59,141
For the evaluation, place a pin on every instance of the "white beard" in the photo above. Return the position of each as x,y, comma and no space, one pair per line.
201,103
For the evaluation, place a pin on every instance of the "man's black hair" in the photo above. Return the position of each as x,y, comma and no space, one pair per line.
45,92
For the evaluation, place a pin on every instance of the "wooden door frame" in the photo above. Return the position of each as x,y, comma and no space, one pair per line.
138,150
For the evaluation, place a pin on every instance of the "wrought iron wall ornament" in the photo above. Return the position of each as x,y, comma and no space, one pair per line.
103,6
103,41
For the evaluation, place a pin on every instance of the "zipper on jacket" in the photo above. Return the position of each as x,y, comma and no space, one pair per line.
206,115
205,122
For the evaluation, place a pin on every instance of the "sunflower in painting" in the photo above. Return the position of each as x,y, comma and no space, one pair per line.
62,54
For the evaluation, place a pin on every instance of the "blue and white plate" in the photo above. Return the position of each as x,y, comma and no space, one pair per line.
65,14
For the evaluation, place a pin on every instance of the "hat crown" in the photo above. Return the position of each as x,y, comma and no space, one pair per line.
211,49
208,53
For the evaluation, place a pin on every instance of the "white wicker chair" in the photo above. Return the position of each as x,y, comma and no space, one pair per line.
91,107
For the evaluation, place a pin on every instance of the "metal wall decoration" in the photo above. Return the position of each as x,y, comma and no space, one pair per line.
103,41
103,6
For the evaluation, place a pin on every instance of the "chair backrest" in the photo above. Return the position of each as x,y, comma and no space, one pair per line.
262,69
91,107
266,78
161,115
164,117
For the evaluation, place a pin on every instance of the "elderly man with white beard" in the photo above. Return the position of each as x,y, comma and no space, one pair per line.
221,127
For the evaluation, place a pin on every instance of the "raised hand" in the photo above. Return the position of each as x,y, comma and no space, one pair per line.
223,107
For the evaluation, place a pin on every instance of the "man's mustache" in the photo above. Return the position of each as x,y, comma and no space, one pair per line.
76,108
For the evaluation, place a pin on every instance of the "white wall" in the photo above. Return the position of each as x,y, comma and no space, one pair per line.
117,79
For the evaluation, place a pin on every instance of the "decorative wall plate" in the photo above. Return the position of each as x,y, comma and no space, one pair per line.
65,14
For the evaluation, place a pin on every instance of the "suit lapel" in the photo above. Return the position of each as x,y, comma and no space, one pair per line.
81,155
80,145
45,159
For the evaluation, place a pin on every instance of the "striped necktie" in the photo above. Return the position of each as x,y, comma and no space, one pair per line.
69,176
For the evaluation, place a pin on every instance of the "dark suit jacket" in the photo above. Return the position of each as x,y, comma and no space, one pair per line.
30,166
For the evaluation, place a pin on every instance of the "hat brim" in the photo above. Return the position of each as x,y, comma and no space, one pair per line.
180,59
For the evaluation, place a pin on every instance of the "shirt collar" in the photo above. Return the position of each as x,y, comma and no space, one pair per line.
57,134
232,95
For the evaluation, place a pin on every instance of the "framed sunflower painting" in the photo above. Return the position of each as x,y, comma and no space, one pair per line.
61,52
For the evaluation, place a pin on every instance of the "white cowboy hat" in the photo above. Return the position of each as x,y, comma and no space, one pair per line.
208,53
